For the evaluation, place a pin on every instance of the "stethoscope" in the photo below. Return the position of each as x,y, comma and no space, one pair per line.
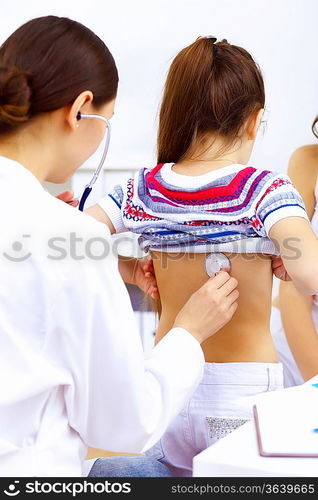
216,262
89,186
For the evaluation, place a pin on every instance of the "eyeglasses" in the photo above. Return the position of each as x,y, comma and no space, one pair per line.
89,186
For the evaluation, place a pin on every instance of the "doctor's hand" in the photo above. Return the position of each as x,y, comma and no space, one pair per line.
210,307
67,197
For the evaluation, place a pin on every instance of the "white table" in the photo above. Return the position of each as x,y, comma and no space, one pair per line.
237,455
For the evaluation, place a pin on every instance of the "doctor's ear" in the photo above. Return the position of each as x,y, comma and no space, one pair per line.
74,112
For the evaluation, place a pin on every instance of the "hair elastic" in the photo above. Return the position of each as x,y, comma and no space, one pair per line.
211,37
215,47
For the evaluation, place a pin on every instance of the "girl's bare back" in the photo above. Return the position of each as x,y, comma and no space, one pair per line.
247,336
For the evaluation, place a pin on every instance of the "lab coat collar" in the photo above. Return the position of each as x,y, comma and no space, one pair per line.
11,169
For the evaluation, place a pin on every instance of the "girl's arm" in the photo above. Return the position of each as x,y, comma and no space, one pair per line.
296,309
139,272
298,246
294,236
98,213
299,328
304,157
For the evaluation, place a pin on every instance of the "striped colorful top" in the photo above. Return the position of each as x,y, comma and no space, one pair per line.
230,209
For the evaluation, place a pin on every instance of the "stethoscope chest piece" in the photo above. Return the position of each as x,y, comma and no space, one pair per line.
216,262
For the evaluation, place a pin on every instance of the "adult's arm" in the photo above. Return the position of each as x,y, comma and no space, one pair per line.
300,329
118,399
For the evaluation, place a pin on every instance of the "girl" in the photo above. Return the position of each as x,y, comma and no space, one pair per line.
201,203
294,321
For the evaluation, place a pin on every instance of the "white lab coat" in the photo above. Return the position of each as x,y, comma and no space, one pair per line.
72,368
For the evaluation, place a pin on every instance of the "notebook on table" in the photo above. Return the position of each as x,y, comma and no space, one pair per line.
287,422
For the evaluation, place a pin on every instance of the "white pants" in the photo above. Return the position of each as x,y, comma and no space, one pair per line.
214,411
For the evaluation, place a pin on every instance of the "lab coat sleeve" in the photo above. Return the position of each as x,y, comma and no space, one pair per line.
117,399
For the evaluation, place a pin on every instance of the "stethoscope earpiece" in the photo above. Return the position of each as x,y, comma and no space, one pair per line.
88,187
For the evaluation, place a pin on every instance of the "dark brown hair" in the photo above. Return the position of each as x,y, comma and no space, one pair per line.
210,88
46,63
314,127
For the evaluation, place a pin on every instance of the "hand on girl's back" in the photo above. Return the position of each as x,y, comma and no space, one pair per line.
210,307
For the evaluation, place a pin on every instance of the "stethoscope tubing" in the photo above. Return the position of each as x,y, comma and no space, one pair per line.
89,186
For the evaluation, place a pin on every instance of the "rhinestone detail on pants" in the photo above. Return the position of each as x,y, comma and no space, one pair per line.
220,427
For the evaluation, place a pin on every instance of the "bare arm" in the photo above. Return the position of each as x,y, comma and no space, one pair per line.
130,269
296,309
127,266
294,237
298,246
98,213
300,329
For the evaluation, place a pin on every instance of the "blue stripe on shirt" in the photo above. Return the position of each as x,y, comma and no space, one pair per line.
114,199
282,206
199,236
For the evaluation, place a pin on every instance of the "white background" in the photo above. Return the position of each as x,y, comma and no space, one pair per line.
144,36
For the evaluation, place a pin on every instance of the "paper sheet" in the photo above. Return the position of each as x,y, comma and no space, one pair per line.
287,422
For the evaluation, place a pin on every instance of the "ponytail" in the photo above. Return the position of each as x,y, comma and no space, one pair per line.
210,88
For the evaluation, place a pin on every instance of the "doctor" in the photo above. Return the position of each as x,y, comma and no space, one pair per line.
72,368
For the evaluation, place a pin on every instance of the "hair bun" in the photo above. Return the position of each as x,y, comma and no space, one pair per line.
15,98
